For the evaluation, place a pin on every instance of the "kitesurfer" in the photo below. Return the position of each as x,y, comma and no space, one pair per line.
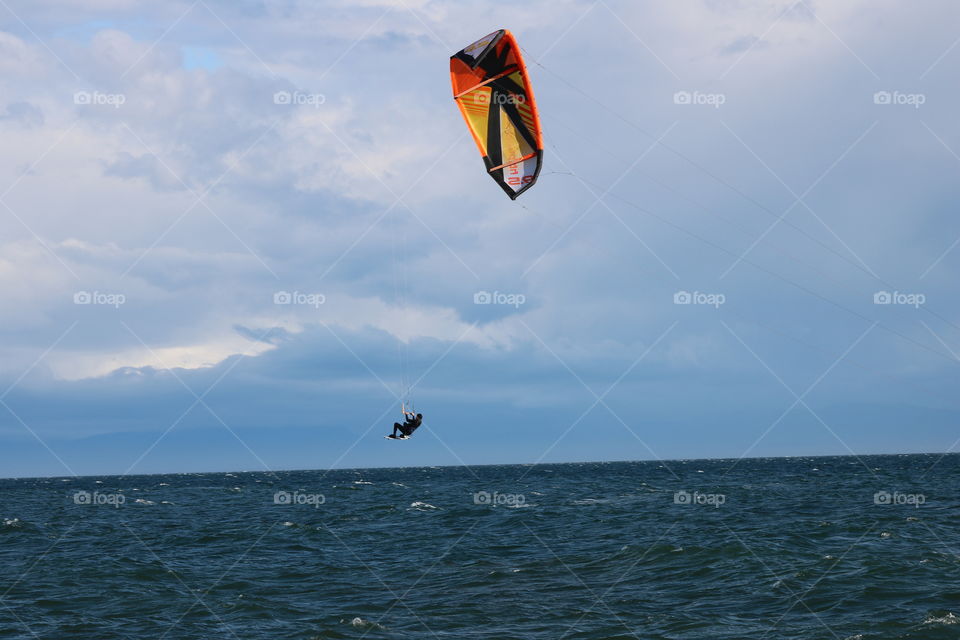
410,423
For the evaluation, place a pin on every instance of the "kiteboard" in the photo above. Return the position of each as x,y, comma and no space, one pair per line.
397,437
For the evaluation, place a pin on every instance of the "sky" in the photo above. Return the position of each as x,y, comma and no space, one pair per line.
232,233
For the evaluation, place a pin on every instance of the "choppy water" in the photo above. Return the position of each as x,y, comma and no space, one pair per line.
773,548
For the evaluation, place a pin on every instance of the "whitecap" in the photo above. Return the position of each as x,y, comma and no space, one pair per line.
422,505
142,501
365,624
947,619
361,482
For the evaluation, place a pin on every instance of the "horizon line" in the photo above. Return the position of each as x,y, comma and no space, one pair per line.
942,454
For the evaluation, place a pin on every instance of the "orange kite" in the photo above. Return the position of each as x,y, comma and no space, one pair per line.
492,89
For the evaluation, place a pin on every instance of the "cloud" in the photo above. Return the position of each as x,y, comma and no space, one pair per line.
17,58
195,193
742,45
22,114
144,166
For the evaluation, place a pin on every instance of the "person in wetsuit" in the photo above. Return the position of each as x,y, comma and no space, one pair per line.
410,423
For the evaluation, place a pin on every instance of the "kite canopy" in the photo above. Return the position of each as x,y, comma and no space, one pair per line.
492,89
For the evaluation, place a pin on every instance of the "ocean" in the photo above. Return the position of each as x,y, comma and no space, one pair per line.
816,548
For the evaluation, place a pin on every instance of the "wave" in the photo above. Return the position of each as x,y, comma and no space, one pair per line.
947,618
585,501
360,623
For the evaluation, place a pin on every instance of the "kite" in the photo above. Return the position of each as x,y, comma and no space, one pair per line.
492,89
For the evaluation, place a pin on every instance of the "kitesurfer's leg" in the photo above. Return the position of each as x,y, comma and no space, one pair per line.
397,426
